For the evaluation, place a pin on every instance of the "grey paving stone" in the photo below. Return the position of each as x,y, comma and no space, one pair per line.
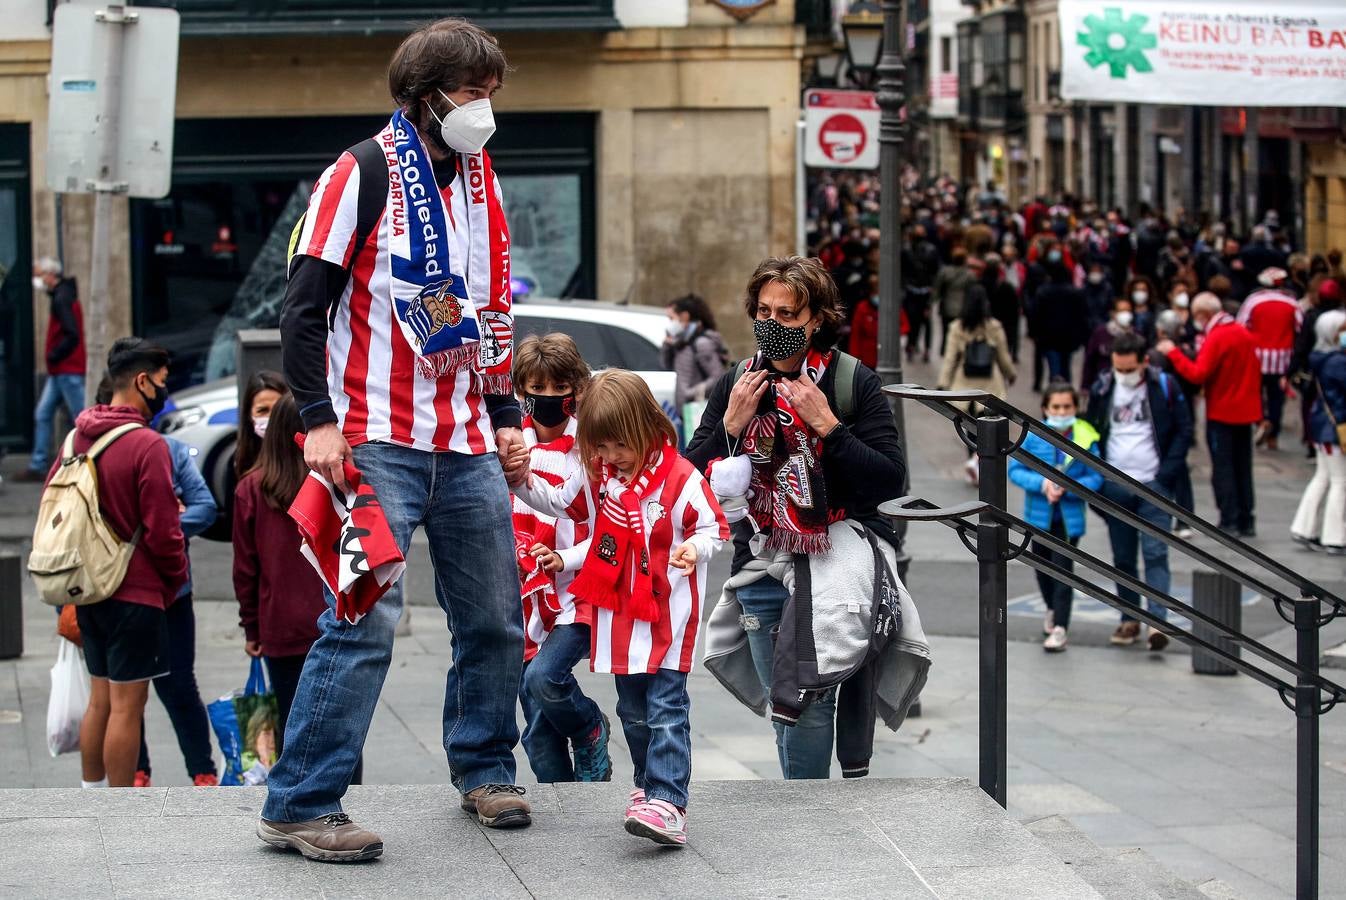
956,826
589,854
422,858
1008,881
52,857
62,803
256,874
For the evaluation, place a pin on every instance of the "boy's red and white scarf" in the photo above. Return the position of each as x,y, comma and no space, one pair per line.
549,461
454,312
789,493
616,573
347,539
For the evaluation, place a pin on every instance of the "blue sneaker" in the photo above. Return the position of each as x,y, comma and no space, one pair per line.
592,762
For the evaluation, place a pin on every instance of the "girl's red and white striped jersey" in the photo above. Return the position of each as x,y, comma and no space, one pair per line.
377,390
571,539
682,510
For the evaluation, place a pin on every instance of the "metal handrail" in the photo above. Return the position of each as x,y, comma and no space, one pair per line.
915,509
941,402
1309,696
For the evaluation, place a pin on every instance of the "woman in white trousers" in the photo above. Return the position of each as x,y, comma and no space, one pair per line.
1319,525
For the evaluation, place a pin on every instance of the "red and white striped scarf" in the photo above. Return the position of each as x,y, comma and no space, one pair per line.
789,492
616,573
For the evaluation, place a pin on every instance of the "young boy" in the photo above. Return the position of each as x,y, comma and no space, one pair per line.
126,637
549,373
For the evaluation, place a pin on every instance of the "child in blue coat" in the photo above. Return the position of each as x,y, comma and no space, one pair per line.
1050,507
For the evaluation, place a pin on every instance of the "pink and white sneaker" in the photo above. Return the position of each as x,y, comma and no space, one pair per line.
637,798
658,820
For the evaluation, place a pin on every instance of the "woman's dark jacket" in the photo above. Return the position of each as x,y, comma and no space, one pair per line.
863,463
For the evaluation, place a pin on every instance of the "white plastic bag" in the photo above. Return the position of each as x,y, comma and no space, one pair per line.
69,699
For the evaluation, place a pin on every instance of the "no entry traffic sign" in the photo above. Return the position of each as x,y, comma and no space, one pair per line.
841,129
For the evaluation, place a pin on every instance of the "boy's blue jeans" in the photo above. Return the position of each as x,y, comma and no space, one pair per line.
463,504
554,708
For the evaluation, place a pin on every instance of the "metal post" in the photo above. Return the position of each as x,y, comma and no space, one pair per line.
892,74
992,592
1306,749
801,193
98,302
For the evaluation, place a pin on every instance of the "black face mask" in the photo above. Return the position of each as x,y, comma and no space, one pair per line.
776,341
155,403
549,411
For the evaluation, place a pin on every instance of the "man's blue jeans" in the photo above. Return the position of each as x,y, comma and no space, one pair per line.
805,749
1058,364
464,506
555,710
1126,540
58,390
656,719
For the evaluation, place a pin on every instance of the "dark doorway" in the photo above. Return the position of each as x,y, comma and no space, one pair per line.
16,290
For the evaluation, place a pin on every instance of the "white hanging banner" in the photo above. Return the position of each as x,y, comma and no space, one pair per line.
1231,53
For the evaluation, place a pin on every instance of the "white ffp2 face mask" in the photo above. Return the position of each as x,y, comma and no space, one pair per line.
466,128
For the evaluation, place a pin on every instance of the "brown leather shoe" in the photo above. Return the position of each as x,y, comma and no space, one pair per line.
1126,634
333,838
499,806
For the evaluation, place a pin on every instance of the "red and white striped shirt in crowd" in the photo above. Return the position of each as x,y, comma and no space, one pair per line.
682,510
377,390
1274,318
553,462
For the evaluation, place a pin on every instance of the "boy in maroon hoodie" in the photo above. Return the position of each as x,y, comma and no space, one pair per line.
126,636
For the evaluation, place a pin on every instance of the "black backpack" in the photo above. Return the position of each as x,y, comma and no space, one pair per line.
978,359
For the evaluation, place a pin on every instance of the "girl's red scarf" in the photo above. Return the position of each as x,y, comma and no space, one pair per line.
789,492
616,573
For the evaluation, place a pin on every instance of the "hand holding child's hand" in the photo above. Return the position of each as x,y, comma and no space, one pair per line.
684,558
548,558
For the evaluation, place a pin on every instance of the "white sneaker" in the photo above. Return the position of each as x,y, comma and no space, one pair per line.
1056,641
1182,531
1048,622
973,469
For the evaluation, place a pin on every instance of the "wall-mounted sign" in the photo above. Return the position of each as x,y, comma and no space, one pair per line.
741,9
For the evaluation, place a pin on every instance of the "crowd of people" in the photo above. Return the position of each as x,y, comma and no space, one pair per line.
1134,324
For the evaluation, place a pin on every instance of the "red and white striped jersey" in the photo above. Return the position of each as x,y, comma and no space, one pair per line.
683,510
377,390
1274,318
571,540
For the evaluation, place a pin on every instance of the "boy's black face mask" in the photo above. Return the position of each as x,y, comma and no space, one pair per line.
549,411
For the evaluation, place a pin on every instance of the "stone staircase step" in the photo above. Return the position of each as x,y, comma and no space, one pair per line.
1157,878
1118,874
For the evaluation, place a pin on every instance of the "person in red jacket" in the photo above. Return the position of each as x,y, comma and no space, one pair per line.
1228,367
126,641
279,593
65,361
1273,316
864,344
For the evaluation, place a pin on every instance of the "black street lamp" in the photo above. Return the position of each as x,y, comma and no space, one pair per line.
873,34
862,27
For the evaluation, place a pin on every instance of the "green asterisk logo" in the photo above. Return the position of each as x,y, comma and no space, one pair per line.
1117,41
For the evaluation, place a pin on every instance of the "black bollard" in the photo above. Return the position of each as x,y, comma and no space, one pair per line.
11,607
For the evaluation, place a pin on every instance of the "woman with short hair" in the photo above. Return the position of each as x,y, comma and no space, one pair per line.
819,435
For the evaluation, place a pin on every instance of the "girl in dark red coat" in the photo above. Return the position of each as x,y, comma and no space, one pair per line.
280,595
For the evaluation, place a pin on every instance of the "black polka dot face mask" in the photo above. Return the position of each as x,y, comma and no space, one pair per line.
776,341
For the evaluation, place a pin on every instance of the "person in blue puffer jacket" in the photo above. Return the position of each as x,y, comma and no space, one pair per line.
1049,506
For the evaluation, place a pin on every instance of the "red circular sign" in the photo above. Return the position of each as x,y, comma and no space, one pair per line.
842,138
